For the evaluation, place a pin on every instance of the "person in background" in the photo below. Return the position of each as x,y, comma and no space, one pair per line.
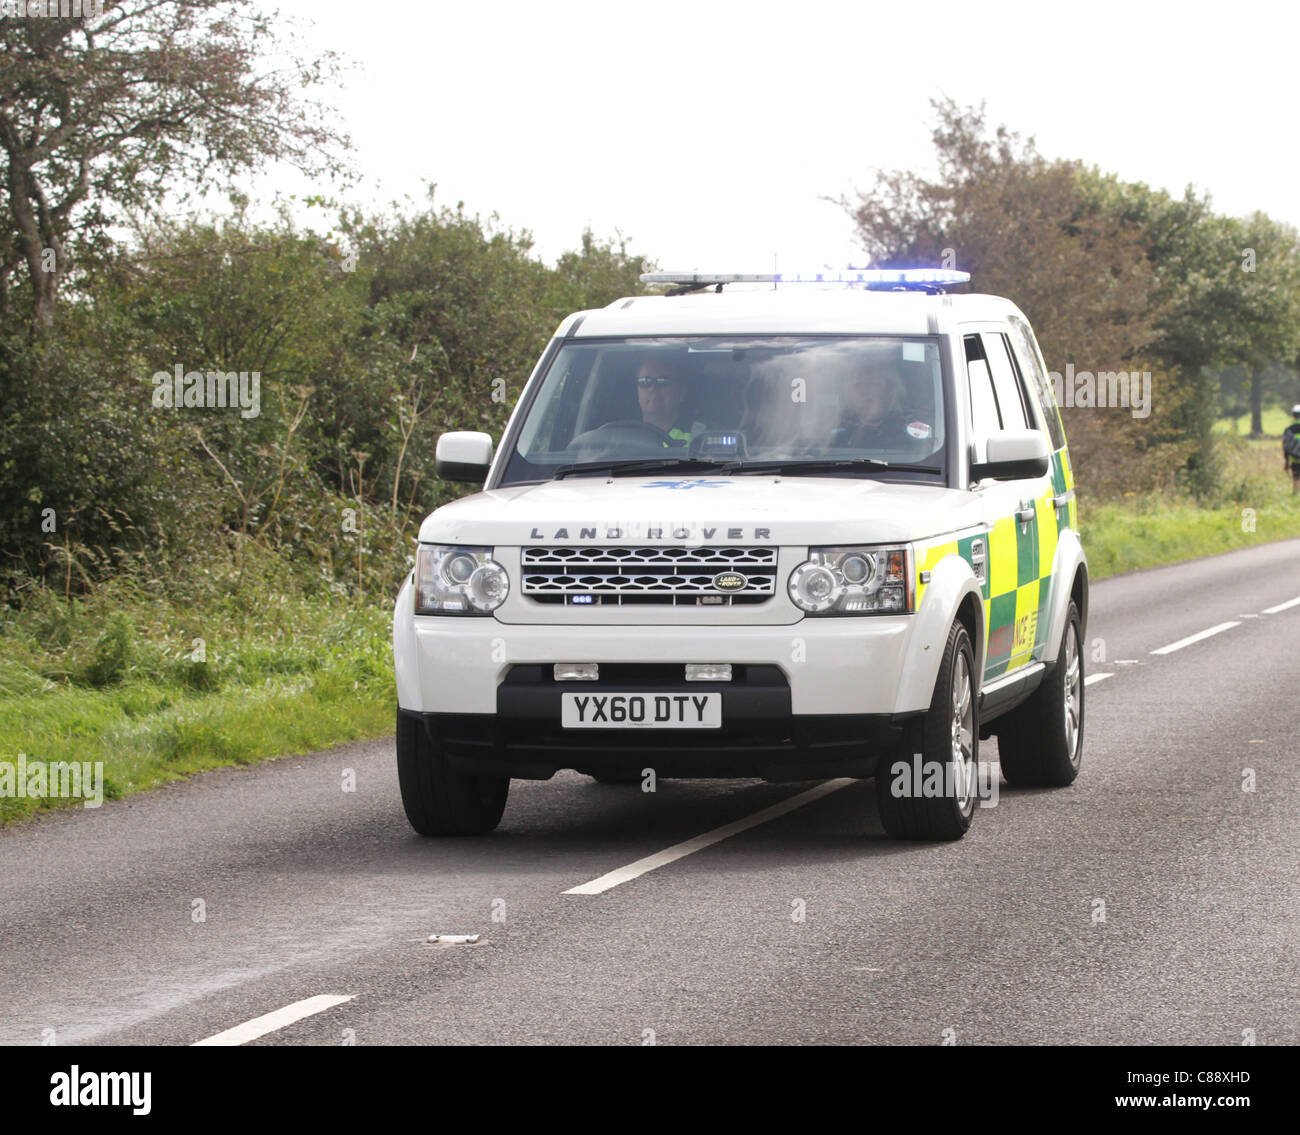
1291,448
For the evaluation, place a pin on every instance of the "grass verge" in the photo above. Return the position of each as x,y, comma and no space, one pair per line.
1118,538
1255,505
129,684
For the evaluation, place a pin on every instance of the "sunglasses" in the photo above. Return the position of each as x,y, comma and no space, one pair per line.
646,381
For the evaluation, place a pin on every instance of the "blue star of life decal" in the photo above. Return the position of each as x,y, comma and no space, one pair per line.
694,484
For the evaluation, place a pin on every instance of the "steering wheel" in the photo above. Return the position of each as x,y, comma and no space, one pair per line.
625,431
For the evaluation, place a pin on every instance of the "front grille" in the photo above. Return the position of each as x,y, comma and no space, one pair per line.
626,575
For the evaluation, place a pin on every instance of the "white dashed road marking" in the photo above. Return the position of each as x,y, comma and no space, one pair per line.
1283,606
1091,679
680,850
1182,642
270,1022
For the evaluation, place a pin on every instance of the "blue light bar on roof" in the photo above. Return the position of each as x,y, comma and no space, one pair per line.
922,279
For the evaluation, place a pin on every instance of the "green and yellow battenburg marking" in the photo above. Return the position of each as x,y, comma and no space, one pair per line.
1017,586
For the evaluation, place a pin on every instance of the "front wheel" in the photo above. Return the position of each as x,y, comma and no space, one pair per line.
931,794
438,799
1041,741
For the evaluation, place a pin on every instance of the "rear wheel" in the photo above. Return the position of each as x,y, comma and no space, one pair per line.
931,794
1041,741
438,799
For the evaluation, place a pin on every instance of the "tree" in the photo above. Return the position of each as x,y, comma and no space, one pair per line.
367,342
1226,292
1269,260
100,116
458,312
598,273
1021,226
1018,224
1114,276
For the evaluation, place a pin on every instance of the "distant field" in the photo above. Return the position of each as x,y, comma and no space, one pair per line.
1275,420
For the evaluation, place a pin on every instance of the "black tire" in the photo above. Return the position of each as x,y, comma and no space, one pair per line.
1041,740
438,799
906,810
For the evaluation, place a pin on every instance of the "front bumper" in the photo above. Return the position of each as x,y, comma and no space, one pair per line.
831,666
759,736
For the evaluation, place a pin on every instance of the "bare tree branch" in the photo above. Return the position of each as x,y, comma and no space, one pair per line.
152,97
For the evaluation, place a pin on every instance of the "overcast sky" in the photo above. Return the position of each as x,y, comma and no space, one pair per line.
707,132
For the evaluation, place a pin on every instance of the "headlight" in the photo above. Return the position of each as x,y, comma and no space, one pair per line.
854,581
458,581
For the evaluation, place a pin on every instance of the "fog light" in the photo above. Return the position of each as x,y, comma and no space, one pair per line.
576,671
708,671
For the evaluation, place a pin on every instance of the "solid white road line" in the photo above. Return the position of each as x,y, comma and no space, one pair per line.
1182,642
1093,678
680,850
1283,606
269,1022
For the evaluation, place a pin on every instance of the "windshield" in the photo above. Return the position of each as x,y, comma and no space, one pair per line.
838,405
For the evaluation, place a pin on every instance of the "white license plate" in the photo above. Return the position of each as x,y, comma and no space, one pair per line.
641,711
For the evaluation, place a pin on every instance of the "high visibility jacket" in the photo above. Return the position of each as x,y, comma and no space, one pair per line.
683,435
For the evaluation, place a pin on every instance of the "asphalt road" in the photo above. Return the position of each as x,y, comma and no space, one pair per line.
308,890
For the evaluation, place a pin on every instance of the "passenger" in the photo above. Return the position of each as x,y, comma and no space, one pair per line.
872,414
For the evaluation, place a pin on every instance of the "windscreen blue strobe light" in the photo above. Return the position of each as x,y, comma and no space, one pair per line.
864,277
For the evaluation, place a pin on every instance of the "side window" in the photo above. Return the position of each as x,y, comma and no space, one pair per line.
983,402
550,425
1005,383
1031,366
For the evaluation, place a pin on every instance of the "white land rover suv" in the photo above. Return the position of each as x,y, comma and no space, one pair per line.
788,533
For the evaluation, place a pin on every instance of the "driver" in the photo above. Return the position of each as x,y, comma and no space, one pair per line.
660,392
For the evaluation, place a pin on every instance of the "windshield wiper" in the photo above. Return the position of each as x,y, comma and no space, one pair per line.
820,465
650,465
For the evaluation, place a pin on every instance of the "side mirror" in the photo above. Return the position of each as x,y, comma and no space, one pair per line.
1013,455
463,456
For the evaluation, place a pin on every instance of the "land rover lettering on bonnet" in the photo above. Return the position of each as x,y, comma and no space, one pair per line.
652,532
788,527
